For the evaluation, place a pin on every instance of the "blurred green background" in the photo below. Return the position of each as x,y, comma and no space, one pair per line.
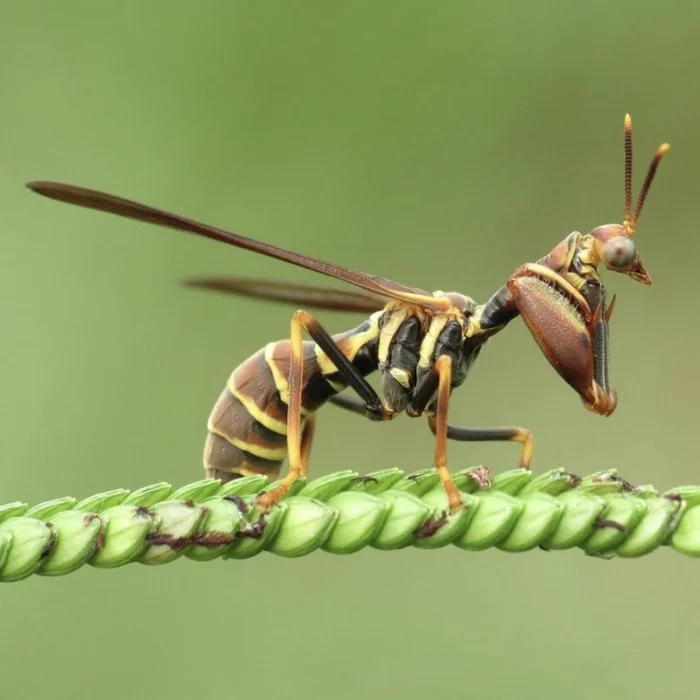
439,144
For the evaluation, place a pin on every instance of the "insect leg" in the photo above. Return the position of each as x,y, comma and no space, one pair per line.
443,369
424,394
307,437
295,386
372,405
521,435
298,444
504,434
349,403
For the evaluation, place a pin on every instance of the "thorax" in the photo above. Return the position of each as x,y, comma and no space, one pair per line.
410,340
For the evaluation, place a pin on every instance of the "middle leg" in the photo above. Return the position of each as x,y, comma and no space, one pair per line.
424,395
520,435
443,369
307,438
462,434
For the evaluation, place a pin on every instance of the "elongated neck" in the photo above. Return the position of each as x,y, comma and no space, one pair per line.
496,313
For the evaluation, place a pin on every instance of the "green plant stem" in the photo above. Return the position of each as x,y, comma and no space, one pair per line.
341,513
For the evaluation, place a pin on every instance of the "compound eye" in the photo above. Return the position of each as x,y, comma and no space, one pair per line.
620,252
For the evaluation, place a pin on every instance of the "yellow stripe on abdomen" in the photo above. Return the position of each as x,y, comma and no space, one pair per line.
256,412
273,454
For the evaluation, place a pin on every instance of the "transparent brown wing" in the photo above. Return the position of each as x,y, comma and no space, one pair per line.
93,199
304,296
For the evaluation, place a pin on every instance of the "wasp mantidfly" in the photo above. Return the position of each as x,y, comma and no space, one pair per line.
423,344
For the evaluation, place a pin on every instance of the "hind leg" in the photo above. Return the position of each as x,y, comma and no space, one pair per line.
298,465
307,438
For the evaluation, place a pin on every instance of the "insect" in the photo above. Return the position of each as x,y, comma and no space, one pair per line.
423,344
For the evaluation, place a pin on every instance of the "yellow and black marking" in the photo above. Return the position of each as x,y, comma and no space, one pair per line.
248,425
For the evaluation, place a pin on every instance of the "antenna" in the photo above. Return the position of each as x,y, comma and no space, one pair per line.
630,221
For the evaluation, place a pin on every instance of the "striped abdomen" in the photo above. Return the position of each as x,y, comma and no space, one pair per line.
248,425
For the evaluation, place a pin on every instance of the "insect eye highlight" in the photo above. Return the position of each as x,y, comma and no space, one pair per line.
620,252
